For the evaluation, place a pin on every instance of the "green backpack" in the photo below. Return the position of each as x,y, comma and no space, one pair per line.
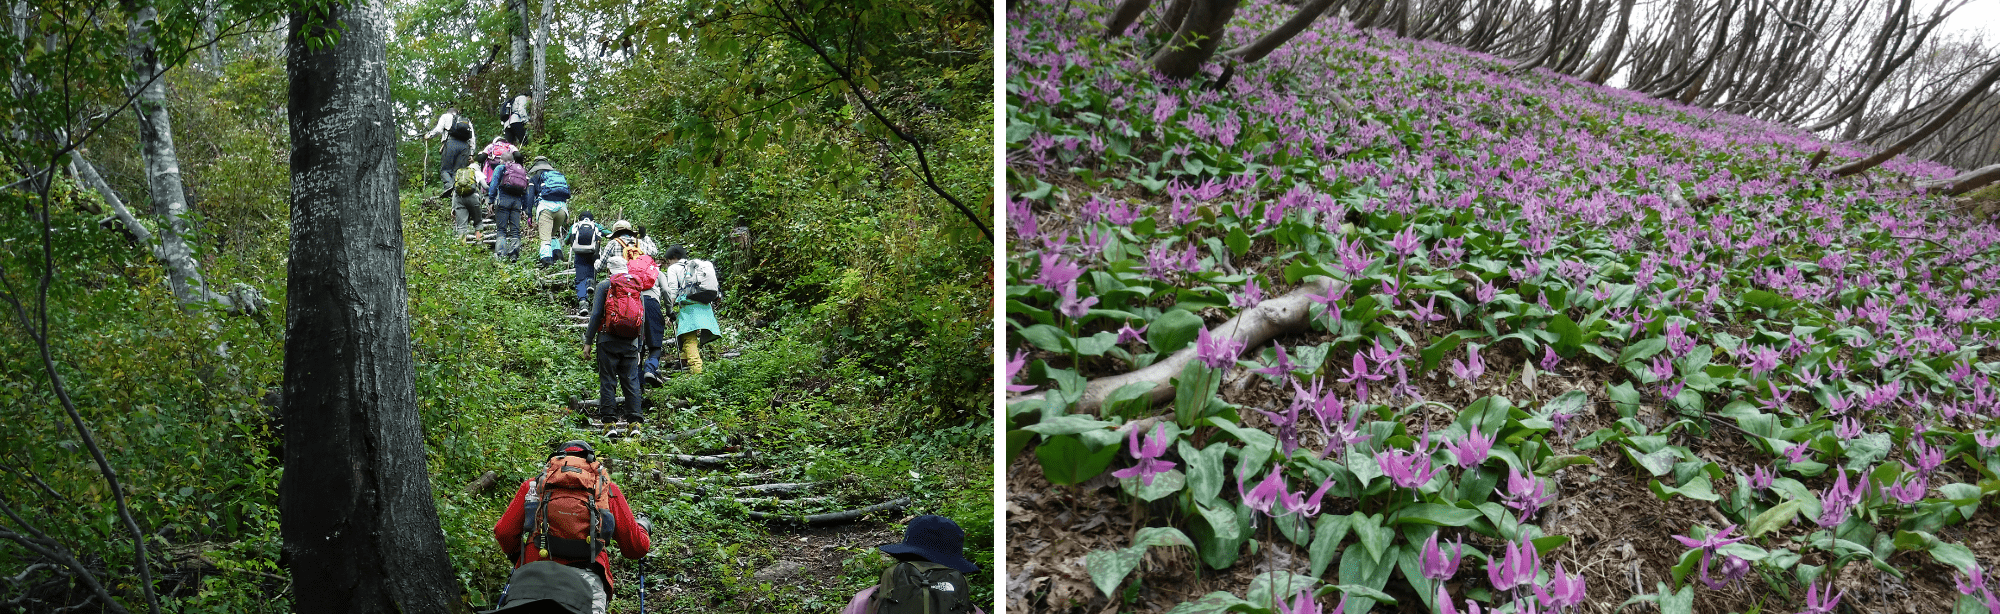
466,182
920,587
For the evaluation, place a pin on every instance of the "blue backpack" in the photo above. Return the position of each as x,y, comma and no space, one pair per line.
554,186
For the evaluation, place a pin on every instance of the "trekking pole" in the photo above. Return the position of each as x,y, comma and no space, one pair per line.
642,585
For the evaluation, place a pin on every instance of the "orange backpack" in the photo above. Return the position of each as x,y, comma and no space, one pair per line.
570,521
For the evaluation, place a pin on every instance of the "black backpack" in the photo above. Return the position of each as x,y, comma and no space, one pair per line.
461,131
922,587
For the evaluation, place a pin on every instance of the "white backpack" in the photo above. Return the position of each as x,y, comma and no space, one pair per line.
585,233
701,284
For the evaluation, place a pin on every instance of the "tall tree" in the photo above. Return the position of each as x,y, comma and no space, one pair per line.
1942,118
360,528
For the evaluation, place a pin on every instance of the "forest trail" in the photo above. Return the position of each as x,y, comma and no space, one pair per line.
812,531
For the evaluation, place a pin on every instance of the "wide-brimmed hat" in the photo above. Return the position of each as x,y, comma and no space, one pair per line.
541,164
937,539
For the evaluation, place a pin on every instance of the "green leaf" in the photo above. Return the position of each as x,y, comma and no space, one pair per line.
1374,537
1172,331
1965,496
1047,337
1357,568
1222,521
1327,535
1570,337
1624,399
1204,477
1108,568
1551,464
1699,488
1434,514
1567,403
1164,483
1065,460
1218,602
1772,519
1642,350
1434,354
1238,242
1067,424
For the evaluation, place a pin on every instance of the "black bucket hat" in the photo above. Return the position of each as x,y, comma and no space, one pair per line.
937,539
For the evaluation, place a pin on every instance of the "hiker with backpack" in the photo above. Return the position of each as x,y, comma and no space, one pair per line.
467,208
693,290
516,115
558,532
656,324
928,577
617,322
498,152
584,237
549,190
457,150
508,193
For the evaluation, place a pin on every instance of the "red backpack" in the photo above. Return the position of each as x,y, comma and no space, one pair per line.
643,268
624,311
572,521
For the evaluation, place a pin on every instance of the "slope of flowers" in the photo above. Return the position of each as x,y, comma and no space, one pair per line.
1532,302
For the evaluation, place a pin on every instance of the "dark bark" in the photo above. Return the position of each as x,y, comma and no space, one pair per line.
1171,19
1607,60
1126,13
1943,117
1196,39
360,529
1272,40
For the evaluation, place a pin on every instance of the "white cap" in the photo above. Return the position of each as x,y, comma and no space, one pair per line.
615,263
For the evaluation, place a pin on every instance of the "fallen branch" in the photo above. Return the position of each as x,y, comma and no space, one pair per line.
835,517
702,461
712,480
1964,182
778,488
1254,326
781,501
481,483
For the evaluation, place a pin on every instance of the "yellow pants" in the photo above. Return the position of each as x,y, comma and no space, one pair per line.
691,348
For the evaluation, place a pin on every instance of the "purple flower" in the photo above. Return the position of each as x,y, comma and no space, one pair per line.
1279,367
1974,584
1251,296
1708,545
1267,493
1445,607
1759,479
1359,376
1406,469
1485,292
1516,568
1354,259
1070,305
1848,428
1215,352
1525,493
1909,491
1310,507
1057,272
1126,334
1014,366
1662,368
1797,453
1405,242
1839,499
1821,602
1549,358
1472,368
1427,312
1148,455
1472,449
1987,439
1928,458
1304,603
1288,427
1563,591
1435,563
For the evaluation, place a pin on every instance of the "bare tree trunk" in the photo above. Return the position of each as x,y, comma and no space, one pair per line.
1170,21
1965,182
1942,118
518,38
359,525
1127,12
88,173
1277,37
1607,61
1196,39
541,66
163,180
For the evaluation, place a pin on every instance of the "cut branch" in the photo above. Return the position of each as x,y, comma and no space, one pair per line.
836,517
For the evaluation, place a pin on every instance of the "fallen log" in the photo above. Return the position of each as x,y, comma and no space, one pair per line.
712,460
740,477
835,517
778,501
1254,326
482,482
777,488
1964,182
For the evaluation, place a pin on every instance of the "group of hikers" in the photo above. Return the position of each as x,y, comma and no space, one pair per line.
559,529
644,288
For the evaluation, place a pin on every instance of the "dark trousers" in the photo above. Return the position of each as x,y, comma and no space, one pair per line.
507,220
586,274
517,133
656,328
615,370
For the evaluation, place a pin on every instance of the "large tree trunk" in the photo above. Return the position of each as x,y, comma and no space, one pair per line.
1196,39
1964,182
360,529
163,179
1607,62
1943,117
